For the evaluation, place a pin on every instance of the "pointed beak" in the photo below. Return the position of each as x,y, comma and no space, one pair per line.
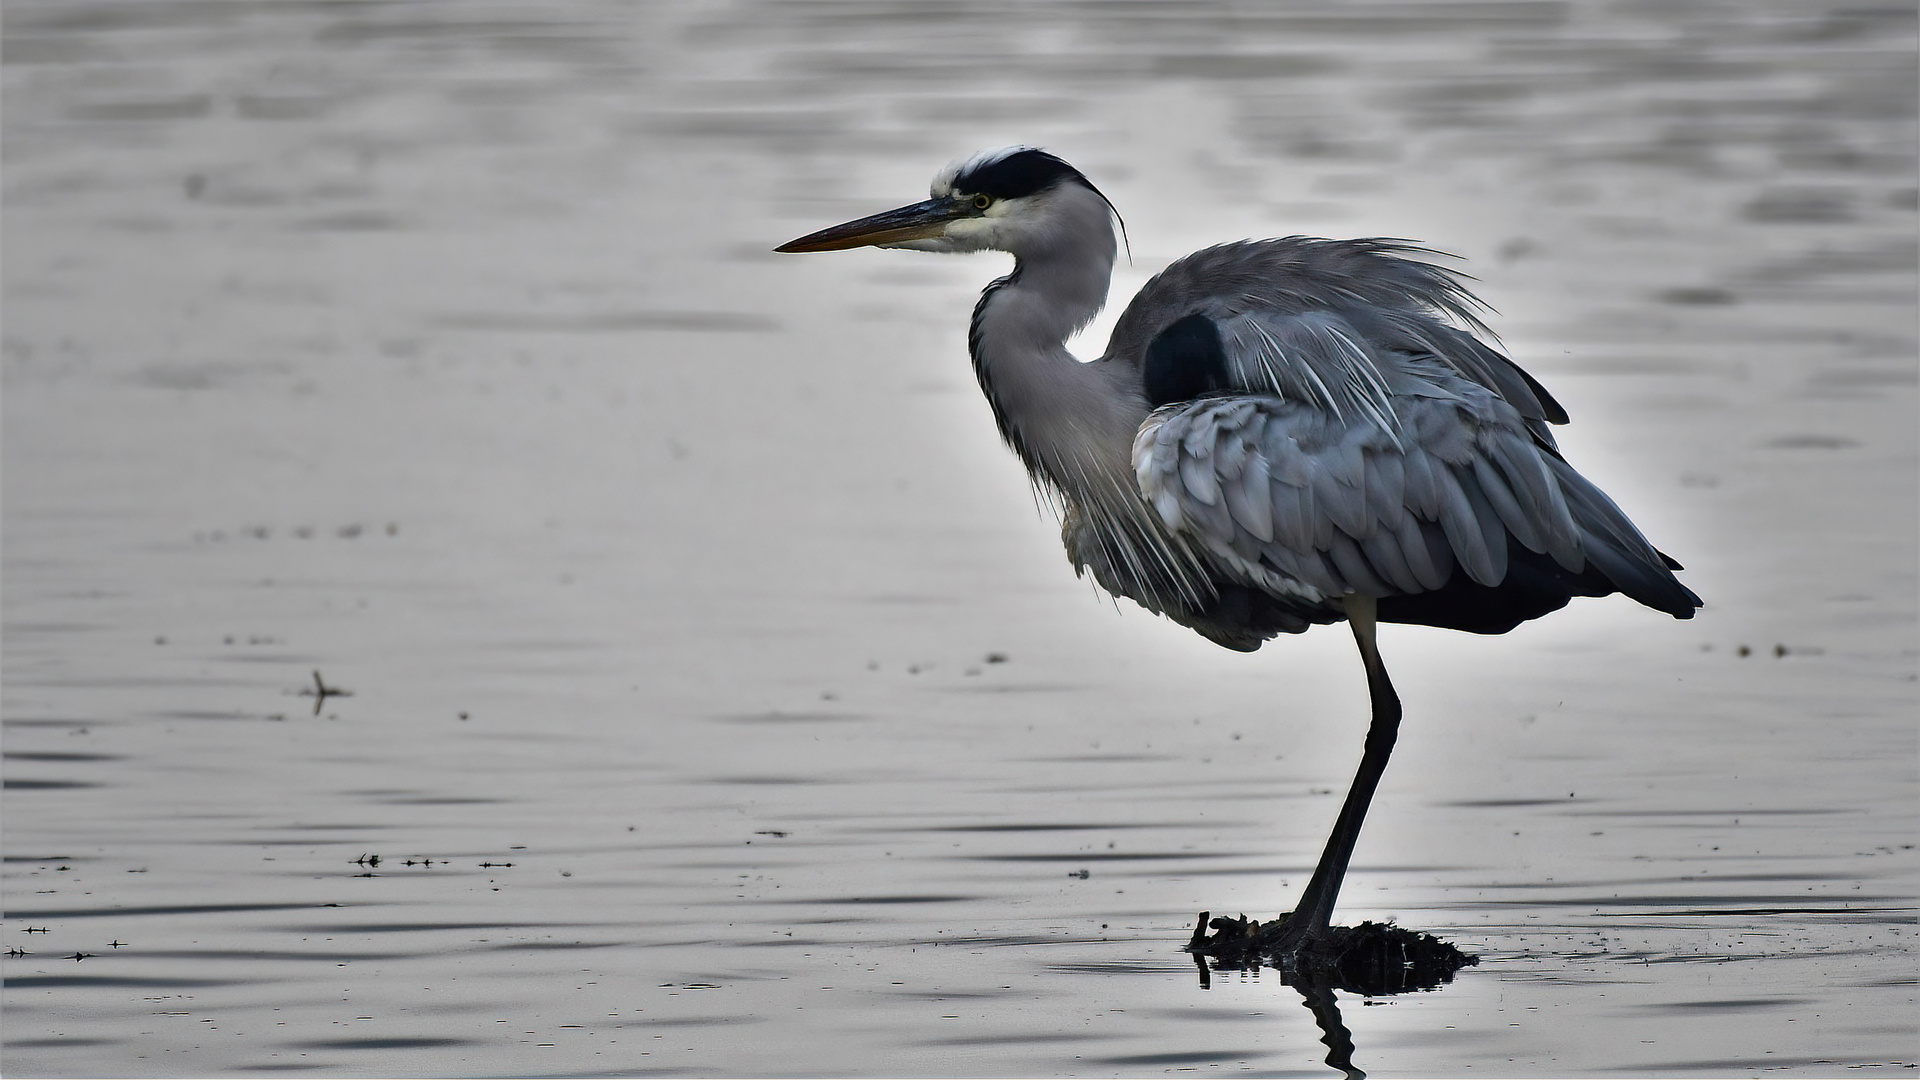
917,222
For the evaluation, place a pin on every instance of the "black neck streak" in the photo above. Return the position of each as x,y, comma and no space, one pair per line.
1008,431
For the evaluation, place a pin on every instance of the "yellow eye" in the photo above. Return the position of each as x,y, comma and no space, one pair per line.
981,202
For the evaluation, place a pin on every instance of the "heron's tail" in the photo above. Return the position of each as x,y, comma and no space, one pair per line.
1617,550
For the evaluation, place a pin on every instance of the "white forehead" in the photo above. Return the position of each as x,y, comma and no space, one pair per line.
943,180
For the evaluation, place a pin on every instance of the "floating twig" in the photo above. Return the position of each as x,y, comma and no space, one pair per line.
321,692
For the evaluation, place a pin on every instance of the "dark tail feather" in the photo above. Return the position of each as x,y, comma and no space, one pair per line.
1616,549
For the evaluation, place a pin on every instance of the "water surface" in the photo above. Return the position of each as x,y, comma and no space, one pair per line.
719,704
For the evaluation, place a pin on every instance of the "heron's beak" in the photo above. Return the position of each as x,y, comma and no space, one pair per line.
920,221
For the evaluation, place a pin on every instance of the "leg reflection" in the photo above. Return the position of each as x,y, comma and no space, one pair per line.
1326,1012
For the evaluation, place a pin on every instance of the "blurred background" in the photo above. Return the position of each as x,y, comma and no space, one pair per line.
705,660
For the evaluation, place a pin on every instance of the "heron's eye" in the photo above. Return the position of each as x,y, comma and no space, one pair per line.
981,202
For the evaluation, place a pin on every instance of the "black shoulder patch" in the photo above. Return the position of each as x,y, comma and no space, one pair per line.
1019,174
1186,361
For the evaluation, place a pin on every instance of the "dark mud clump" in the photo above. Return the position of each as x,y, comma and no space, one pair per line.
1371,958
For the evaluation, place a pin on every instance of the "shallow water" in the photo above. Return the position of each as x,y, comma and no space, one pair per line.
716,701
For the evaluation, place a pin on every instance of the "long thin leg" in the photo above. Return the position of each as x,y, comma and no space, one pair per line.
1314,913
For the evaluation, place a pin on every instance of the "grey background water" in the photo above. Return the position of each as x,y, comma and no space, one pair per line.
721,705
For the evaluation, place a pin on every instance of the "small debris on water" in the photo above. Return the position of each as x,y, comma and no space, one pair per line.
996,658
1699,295
320,692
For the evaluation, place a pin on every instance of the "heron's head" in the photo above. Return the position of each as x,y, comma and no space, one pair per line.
1015,199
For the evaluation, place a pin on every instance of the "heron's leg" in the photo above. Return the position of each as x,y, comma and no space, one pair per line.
1314,913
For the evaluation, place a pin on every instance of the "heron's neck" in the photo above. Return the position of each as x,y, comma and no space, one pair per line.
1064,418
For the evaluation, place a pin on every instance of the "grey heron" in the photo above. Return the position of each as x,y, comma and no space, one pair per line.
1282,433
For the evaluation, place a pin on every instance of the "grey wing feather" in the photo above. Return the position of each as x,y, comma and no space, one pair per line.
1251,500
1389,295
1429,560
1461,525
1282,496
1506,506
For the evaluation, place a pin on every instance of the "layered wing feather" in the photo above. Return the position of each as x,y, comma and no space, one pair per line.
1325,422
1392,476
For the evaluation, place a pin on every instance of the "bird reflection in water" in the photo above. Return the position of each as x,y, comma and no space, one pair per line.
1371,959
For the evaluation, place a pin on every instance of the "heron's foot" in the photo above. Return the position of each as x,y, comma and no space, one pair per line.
1289,942
1372,958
